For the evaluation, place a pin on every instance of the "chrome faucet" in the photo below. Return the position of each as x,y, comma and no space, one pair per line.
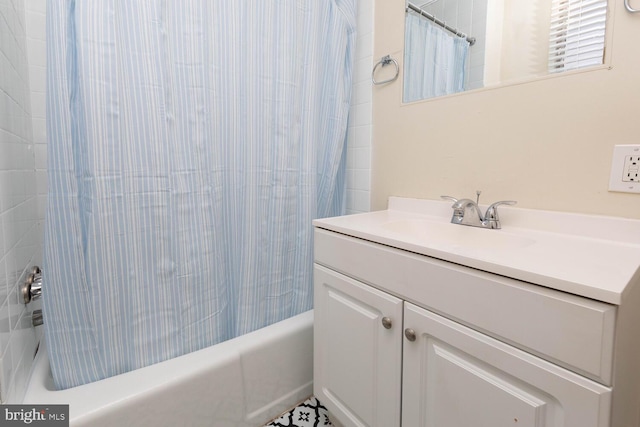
467,212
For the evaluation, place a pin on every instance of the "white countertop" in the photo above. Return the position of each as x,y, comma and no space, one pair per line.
592,256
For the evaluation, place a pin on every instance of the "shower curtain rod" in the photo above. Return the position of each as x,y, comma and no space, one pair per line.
430,17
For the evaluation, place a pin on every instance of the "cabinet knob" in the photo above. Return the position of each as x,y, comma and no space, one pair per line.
410,334
387,323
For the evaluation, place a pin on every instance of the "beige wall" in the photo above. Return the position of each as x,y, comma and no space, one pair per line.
547,143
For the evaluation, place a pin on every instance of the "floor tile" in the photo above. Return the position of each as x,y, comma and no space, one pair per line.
309,413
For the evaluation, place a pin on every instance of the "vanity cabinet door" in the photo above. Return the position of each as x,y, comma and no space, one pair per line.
455,376
357,350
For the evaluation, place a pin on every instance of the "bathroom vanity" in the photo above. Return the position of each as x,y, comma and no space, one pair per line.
420,322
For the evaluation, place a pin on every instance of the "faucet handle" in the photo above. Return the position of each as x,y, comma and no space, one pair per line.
453,199
492,211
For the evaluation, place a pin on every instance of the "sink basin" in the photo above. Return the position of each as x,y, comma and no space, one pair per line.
459,237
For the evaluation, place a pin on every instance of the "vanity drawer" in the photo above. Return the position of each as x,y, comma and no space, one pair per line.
569,330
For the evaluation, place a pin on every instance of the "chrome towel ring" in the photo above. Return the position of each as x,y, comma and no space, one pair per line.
629,8
384,61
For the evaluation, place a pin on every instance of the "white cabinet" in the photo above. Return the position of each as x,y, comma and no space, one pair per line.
454,376
448,360
357,350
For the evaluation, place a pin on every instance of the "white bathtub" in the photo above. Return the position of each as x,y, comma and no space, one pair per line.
246,381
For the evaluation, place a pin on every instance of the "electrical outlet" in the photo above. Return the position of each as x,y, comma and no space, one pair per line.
630,169
625,169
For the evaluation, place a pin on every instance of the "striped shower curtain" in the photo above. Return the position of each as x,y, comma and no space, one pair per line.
434,60
191,143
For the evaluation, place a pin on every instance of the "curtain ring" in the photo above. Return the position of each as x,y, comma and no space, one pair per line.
385,60
629,8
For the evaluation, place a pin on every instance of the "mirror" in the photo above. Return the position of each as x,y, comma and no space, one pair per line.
458,45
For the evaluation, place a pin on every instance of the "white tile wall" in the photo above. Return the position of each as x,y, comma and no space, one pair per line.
359,136
37,60
20,235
